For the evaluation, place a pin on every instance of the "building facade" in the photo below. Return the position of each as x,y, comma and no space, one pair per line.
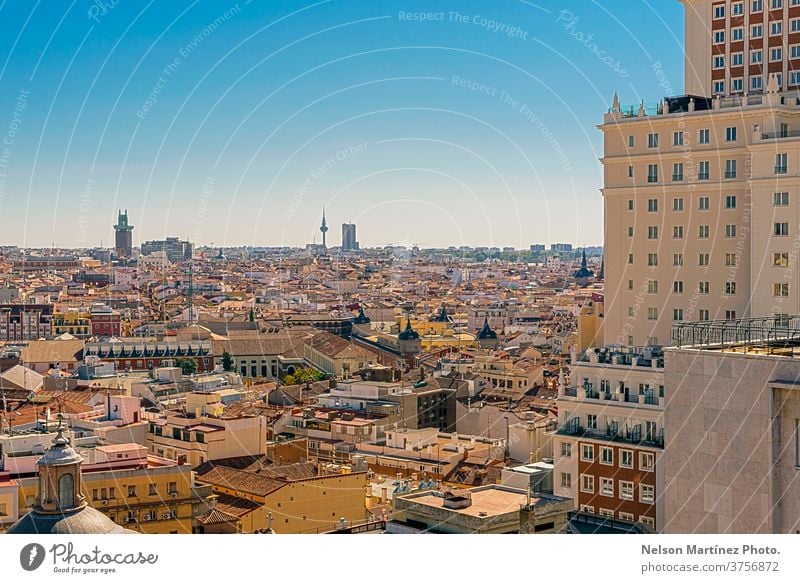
610,440
123,236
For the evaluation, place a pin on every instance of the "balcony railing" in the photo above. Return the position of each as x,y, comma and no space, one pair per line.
702,176
730,174
632,436
780,135
780,169
677,178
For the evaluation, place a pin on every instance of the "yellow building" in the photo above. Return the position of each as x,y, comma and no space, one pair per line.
590,326
448,339
140,492
74,322
290,499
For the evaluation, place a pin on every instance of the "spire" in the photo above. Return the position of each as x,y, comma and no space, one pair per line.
615,103
583,260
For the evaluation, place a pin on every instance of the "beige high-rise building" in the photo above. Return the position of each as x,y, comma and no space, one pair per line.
701,193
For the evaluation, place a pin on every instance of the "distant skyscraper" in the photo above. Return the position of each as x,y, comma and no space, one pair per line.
124,235
324,229
349,242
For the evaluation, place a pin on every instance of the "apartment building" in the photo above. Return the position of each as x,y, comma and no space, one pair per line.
731,463
609,444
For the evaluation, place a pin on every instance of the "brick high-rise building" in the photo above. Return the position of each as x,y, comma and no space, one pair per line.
701,192
123,234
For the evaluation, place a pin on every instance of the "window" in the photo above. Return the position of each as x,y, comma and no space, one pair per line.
652,259
631,311
795,24
780,163
775,28
677,314
587,508
777,4
566,449
730,168
652,313
780,290
756,31
677,287
630,258
730,231
652,205
587,484
630,204
630,171
719,36
703,170
677,232
591,420
625,490
652,140
737,33
646,493
756,83
730,201
652,286
719,62
131,491
737,59
652,173
775,54
652,232
677,172
587,452
780,260
780,199
737,9
646,461
677,204
795,54
95,494
756,56
647,521
630,231
730,260
631,141
703,315
566,480
730,134
719,11
705,137
737,84
730,314
730,288
607,456
153,490
703,231
703,203
719,86
677,138
703,287
625,458
677,259
606,487
630,284
780,229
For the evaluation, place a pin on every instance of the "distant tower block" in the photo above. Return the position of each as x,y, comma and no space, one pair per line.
124,235
324,229
349,242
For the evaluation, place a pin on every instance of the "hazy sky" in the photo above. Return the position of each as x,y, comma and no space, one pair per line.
425,122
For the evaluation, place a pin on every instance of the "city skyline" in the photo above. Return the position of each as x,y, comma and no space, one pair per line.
233,124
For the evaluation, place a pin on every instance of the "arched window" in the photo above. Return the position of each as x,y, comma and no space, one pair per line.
66,491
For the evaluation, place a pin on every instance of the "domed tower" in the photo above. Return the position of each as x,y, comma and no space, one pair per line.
61,507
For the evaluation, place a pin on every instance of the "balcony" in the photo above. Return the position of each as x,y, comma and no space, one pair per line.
677,178
780,169
730,174
652,179
631,436
702,176
780,135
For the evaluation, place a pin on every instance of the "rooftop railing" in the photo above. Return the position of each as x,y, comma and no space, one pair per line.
766,333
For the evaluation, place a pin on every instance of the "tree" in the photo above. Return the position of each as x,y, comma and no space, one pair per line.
252,315
227,361
303,375
188,365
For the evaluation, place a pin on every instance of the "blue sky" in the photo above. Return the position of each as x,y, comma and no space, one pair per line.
425,122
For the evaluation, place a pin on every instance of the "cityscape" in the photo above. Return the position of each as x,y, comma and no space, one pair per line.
396,346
